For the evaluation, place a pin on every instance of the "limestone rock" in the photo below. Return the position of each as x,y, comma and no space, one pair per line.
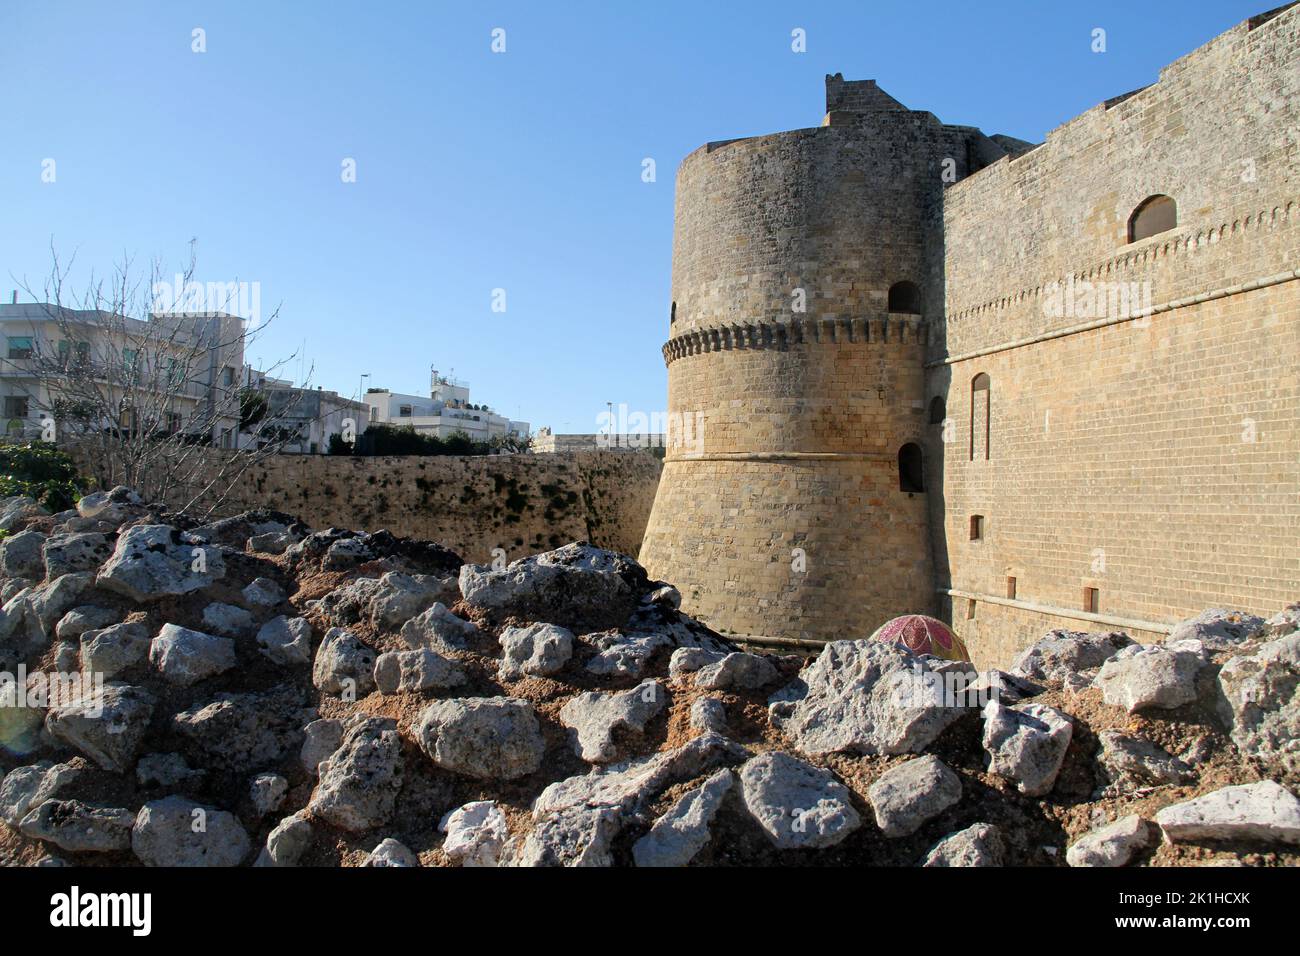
391,853
538,650
709,714
164,770
630,786
79,827
572,837
185,657
359,782
25,788
86,617
108,728
596,718
288,841
320,739
343,665
175,831
267,792
908,795
1152,676
228,620
981,844
21,555
17,510
112,650
864,697
1026,744
799,806
1263,811
438,629
476,834
486,737
683,830
1218,628
1129,763
77,551
1284,622
688,660
738,672
150,563
578,587
1260,703
1069,657
400,597
262,593
245,732
623,655
1111,845
286,640
408,672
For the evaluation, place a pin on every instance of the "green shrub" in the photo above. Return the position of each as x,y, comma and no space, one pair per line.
39,470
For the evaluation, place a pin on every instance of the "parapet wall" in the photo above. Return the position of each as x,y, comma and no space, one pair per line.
519,503
1217,133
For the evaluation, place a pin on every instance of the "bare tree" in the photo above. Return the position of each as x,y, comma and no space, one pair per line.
141,377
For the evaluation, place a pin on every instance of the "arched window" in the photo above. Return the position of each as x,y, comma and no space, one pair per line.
905,297
1153,214
938,410
980,407
911,469
672,314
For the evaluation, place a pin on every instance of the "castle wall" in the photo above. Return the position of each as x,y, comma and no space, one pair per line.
522,504
780,514
1153,458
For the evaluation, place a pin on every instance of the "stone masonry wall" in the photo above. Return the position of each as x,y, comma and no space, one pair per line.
1151,458
520,503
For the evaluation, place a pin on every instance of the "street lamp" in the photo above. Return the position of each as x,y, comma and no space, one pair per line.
362,387
610,406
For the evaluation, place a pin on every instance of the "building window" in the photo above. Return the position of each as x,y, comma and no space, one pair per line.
672,314
130,358
911,469
1155,214
15,406
1092,600
83,353
980,411
970,609
1011,588
905,297
977,527
404,411
227,376
938,410
65,353
20,346
174,422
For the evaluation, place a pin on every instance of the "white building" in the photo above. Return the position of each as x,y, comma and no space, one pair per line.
311,415
66,368
445,411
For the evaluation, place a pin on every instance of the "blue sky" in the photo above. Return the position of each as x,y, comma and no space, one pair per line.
477,171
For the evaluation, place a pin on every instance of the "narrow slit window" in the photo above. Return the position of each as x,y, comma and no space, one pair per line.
977,527
980,412
1011,588
1092,600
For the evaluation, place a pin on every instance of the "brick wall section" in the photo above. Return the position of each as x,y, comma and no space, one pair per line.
1155,459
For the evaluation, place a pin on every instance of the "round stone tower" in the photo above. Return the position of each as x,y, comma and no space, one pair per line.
807,269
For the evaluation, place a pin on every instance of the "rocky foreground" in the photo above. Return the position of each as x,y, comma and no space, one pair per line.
276,697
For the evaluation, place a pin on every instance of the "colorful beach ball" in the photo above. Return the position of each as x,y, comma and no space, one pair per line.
923,635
